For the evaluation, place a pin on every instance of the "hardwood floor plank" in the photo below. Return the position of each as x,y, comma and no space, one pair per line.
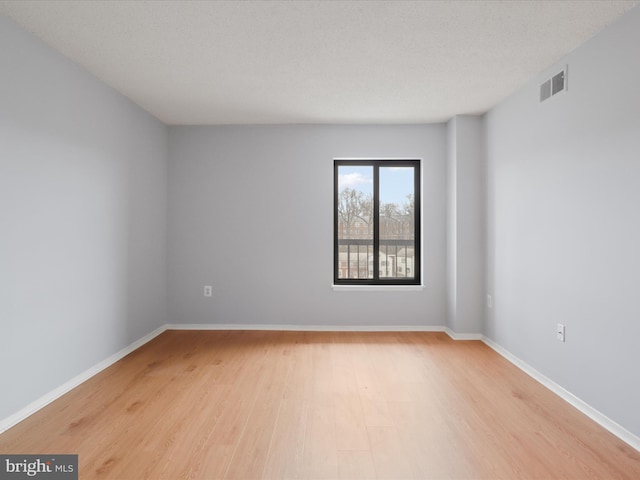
389,455
355,465
244,405
350,425
320,458
286,453
250,456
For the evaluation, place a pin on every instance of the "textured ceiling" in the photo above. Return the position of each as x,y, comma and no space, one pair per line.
256,62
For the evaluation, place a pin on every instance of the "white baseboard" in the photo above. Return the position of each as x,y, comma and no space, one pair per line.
327,328
463,336
601,419
46,399
307,328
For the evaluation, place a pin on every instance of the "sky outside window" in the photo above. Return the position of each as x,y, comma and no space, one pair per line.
396,182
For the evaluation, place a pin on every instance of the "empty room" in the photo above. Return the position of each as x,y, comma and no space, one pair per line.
319,240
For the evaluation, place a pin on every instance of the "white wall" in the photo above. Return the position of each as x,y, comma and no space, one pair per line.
82,220
564,224
251,212
465,224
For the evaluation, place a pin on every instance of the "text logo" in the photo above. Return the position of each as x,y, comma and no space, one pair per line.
39,467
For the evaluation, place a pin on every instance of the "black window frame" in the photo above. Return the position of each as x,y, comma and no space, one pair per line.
377,280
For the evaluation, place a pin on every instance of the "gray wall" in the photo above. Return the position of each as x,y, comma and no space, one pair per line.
82,220
465,224
83,201
251,212
564,224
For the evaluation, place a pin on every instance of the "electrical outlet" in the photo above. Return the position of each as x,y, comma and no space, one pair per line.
208,290
489,301
560,332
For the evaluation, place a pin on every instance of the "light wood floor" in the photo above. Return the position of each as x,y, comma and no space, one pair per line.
301,405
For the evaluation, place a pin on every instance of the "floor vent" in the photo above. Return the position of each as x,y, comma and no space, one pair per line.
556,84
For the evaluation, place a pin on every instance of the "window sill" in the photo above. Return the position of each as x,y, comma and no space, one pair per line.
377,288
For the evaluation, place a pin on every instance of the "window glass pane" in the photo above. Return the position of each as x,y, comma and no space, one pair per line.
397,222
355,221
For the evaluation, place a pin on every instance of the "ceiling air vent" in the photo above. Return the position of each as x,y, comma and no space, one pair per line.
556,84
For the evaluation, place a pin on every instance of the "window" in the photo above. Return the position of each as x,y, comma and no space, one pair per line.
376,222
